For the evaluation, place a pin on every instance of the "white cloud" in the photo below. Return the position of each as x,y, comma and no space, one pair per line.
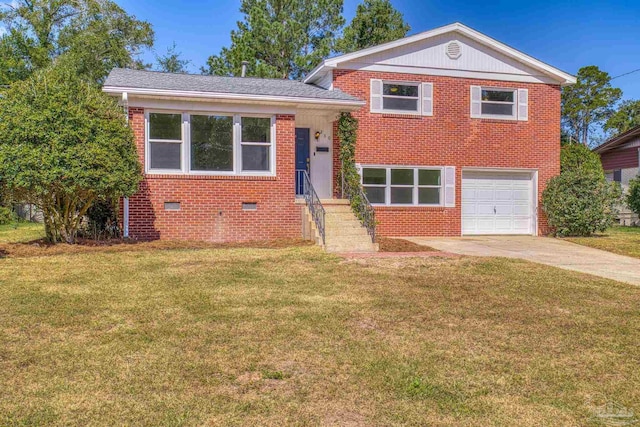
3,31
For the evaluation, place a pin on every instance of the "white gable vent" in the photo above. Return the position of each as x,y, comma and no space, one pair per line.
454,50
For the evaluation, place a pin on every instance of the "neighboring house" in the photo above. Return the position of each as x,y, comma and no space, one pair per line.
620,157
458,134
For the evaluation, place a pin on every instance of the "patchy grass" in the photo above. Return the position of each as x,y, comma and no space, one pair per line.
294,336
401,245
619,240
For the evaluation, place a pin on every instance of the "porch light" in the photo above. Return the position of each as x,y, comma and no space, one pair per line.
317,135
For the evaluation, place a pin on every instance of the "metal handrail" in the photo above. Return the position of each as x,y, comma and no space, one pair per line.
361,207
313,203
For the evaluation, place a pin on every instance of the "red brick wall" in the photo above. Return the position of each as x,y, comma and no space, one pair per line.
451,138
211,206
620,159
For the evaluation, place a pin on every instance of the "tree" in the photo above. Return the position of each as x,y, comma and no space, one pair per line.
376,22
63,145
575,157
279,38
589,102
579,203
627,116
633,196
171,61
97,34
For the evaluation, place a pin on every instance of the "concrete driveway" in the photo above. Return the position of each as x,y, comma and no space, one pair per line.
543,250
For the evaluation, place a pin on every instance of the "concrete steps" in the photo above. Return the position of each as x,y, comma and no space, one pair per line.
343,231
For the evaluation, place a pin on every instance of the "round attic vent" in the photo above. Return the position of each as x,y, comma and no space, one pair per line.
454,50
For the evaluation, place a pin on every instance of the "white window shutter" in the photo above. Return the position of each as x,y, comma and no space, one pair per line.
476,101
523,104
427,99
449,186
376,96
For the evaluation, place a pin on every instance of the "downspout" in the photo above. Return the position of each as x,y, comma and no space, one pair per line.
125,202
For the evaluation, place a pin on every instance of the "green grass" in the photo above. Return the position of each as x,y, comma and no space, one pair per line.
619,240
21,232
294,336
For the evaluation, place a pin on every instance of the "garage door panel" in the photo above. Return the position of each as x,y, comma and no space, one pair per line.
522,195
504,194
484,209
484,194
469,209
497,203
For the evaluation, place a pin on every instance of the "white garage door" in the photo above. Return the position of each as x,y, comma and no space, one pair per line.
497,203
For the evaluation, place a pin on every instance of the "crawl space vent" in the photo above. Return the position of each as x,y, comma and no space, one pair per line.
454,50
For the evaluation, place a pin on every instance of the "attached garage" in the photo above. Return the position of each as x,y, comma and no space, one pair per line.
498,202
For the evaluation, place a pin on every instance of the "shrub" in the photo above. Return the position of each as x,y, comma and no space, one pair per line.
578,203
633,195
102,220
63,145
575,157
6,215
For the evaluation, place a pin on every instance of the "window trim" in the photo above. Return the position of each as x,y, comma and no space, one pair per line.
514,104
417,112
185,151
415,193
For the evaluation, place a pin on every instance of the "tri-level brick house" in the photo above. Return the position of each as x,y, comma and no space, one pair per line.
458,134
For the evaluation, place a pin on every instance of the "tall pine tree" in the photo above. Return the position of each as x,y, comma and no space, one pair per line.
280,38
376,22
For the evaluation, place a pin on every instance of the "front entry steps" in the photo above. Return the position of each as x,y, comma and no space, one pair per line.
343,231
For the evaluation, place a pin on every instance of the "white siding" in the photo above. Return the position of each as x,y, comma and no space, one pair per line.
431,55
325,81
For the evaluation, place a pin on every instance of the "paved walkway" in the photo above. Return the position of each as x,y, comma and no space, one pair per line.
543,250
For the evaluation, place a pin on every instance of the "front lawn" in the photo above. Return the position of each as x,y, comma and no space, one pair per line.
619,240
293,336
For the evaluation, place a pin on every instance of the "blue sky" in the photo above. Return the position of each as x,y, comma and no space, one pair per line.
566,34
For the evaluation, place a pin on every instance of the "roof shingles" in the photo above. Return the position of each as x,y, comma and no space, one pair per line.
153,80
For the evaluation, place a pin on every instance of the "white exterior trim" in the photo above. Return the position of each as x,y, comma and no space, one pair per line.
230,96
125,217
555,74
427,71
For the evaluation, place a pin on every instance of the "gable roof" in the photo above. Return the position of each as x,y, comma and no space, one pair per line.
560,76
618,140
138,82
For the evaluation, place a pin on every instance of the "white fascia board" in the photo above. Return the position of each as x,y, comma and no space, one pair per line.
564,78
290,100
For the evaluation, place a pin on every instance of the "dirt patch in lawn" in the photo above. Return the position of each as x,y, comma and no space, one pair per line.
401,245
39,247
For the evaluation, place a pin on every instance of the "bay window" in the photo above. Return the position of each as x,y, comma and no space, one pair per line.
403,185
224,144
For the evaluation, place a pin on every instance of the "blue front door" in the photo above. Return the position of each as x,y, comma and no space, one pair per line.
302,158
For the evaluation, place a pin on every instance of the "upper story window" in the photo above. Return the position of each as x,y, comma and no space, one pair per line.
496,103
401,97
210,144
